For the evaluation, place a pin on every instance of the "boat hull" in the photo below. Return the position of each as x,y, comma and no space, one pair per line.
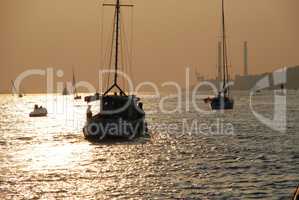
222,104
42,112
114,128
77,97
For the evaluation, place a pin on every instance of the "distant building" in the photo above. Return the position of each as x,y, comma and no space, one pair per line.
293,78
248,81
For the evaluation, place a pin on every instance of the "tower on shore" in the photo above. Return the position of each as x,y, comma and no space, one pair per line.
246,58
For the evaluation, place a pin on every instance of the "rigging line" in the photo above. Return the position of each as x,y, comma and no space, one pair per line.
106,54
102,53
131,45
128,49
122,52
111,51
102,38
125,53
227,91
223,46
226,67
127,70
124,67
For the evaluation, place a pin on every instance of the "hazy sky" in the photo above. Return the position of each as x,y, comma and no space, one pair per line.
169,35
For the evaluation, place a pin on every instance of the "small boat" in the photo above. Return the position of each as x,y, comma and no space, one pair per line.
75,92
65,91
121,115
77,97
223,101
92,98
38,112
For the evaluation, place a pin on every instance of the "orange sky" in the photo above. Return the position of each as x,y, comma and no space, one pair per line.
169,35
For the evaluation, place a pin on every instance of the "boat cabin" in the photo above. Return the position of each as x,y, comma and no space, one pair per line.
126,107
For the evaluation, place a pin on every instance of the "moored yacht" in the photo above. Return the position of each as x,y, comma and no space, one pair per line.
223,100
121,114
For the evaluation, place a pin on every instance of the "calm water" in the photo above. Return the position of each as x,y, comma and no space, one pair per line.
48,158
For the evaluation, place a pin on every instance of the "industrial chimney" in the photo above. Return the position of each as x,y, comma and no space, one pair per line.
245,59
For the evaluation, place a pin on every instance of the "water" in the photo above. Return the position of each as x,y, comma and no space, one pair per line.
48,158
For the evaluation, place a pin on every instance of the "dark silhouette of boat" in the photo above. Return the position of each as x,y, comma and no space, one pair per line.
65,91
75,92
38,112
223,100
121,115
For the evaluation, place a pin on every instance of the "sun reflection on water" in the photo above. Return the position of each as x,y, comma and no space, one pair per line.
42,157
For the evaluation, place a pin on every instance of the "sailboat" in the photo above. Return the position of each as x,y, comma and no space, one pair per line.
121,115
75,92
14,89
65,91
223,100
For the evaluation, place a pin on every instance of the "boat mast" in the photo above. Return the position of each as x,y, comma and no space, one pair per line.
117,10
224,51
117,38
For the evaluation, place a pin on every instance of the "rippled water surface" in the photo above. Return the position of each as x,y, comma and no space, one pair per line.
48,158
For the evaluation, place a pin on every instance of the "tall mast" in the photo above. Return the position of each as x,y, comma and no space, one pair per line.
224,51
117,10
117,38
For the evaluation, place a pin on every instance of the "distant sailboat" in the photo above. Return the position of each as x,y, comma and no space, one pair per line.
14,90
65,91
223,100
75,92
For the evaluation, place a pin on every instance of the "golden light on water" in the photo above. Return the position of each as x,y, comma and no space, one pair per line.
42,149
42,157
48,158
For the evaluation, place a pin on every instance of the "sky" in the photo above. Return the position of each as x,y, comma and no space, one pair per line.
168,36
